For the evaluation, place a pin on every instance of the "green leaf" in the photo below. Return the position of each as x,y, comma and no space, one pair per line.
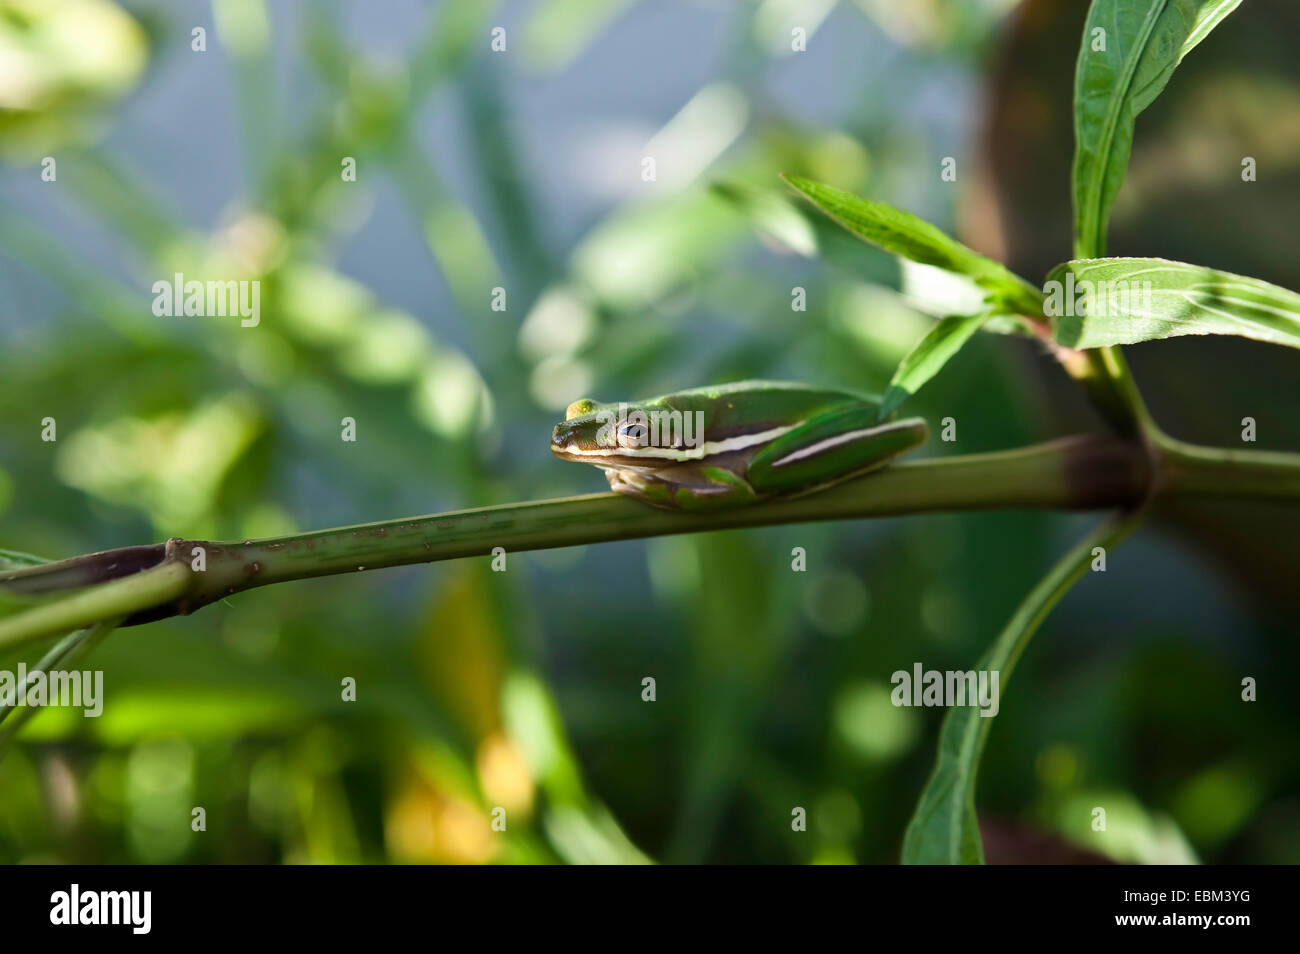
911,237
1126,300
944,828
931,353
1144,41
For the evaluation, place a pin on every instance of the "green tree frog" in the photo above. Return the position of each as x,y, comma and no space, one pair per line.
731,445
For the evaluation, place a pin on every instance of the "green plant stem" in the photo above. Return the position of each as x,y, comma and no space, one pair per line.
146,583
119,598
944,829
1116,367
1075,473
1088,472
1190,469
1105,376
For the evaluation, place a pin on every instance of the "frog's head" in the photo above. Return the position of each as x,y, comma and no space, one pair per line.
607,435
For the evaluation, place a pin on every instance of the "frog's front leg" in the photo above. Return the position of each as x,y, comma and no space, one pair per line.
837,444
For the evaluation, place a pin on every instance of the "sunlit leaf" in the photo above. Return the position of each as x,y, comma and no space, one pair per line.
914,238
1111,301
932,352
1130,49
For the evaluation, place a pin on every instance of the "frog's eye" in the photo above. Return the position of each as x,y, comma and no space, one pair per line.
633,434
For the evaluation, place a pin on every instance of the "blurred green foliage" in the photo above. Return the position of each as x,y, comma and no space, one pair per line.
522,690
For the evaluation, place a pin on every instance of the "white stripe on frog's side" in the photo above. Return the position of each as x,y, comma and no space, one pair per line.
814,449
707,449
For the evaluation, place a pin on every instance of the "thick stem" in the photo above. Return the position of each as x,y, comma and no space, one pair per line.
1105,376
1090,472
1074,473
1220,472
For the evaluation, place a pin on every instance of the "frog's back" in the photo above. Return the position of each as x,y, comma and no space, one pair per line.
752,406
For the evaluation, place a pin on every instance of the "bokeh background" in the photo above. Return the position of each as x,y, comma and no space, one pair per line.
522,170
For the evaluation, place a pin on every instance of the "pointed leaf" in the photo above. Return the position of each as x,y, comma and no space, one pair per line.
1110,301
932,352
1130,48
914,238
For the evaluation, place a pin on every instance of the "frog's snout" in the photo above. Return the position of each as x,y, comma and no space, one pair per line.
563,435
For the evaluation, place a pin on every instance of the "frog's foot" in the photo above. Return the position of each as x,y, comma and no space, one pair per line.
831,447
720,489
626,481
695,488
